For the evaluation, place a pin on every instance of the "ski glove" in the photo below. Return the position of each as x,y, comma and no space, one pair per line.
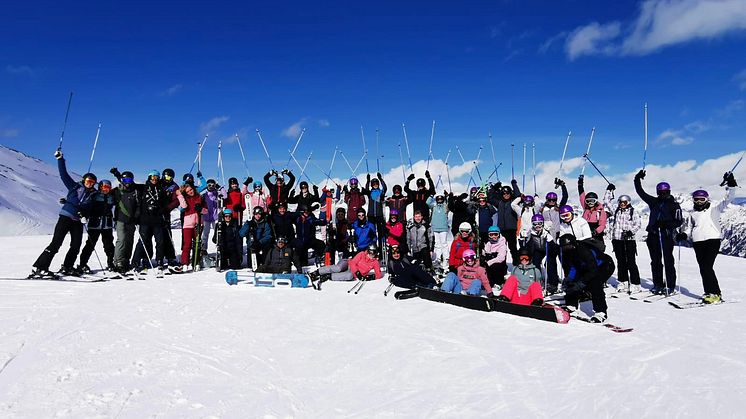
248,181
427,174
199,174
731,180
640,174
410,177
611,187
681,237
63,201
58,154
581,179
558,182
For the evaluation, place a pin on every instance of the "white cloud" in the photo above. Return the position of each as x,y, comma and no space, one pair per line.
294,130
544,48
324,123
9,132
592,39
660,23
176,88
674,137
213,124
740,79
20,70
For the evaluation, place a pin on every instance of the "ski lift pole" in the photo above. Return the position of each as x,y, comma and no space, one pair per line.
645,153
406,142
564,152
64,124
199,153
588,151
261,140
430,149
95,142
297,142
597,169
243,157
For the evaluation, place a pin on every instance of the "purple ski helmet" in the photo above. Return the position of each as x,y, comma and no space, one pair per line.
700,193
353,181
565,209
393,212
537,218
663,186
551,196
528,199
473,190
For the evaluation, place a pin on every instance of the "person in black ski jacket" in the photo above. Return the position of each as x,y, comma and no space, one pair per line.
404,274
507,219
228,241
279,192
154,205
418,198
665,219
586,271
170,186
283,221
461,210
126,216
280,259
375,189
100,224
77,206
305,197
305,229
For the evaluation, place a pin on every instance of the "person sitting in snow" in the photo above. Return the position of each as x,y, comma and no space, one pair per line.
524,284
364,266
470,277
404,274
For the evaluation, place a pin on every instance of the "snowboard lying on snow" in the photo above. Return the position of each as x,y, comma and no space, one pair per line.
267,280
547,312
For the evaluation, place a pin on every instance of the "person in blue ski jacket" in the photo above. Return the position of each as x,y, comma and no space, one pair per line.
258,233
365,231
100,224
375,189
305,235
77,206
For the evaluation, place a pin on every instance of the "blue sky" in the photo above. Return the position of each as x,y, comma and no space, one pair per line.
160,76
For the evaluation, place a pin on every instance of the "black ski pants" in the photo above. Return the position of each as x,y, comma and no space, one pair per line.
512,240
496,273
64,226
626,263
660,245
553,252
706,251
142,254
107,239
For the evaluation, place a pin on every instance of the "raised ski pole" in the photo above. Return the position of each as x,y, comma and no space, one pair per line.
476,165
448,173
723,183
512,161
430,149
463,161
365,150
359,162
440,176
199,153
302,168
297,143
533,165
406,142
379,157
564,152
588,151
95,142
64,124
524,167
352,171
645,152
322,171
243,157
494,172
597,169
221,170
261,140
494,160
331,165
199,157
401,160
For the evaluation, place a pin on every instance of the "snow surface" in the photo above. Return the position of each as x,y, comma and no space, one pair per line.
190,346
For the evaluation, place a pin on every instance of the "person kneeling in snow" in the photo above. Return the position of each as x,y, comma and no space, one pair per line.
404,274
524,284
469,276
364,265
280,259
586,270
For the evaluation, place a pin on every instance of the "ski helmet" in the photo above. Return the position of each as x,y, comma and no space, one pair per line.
153,173
188,177
341,210
168,173
624,198
591,199
281,239
473,190
663,186
493,229
303,184
551,196
523,251
464,227
128,177
353,181
227,211
360,210
700,195
506,190
397,189
282,204
528,200
257,185
258,210
440,198
91,176
420,183
568,240
393,212
537,218
469,255
303,208
375,181
591,195
211,182
566,209
373,248
104,182
232,181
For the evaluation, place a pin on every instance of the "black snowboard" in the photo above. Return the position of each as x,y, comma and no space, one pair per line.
467,301
547,312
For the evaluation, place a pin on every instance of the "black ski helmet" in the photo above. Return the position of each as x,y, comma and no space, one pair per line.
506,190
188,178
302,208
303,184
420,182
232,181
90,175
168,172
523,251
397,189
568,241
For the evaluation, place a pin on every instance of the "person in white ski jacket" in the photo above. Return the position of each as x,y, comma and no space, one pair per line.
706,236
624,225
570,224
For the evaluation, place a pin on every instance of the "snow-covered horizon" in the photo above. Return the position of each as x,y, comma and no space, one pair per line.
190,346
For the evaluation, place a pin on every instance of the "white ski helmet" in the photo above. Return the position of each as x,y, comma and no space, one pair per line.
464,227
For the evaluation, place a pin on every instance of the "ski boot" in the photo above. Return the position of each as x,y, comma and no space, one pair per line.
41,274
84,269
69,271
599,317
711,299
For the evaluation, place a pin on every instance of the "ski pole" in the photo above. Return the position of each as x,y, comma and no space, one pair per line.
199,153
302,168
64,125
243,157
352,171
723,183
476,165
430,149
564,153
300,137
85,226
645,153
378,154
199,157
494,172
597,169
365,150
463,161
440,176
95,142
334,157
512,161
448,173
588,151
401,160
328,176
524,167
359,162
533,165
144,249
406,141
494,160
261,140
221,171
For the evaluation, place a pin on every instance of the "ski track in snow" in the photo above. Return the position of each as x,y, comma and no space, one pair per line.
191,346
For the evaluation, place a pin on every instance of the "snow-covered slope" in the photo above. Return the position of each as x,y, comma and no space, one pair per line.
190,346
29,193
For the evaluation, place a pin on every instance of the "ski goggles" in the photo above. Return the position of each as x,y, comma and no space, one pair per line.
370,252
524,258
395,250
127,180
493,234
469,258
566,216
105,187
167,177
591,201
89,182
700,200
538,223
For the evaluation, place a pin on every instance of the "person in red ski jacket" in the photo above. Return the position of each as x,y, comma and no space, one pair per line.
234,200
278,191
464,241
354,199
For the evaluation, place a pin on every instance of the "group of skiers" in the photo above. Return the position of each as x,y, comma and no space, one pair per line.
492,227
